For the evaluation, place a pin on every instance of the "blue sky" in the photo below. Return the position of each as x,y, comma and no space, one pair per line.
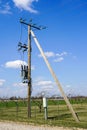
64,42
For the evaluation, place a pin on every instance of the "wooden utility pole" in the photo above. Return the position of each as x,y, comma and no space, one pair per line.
30,25
29,71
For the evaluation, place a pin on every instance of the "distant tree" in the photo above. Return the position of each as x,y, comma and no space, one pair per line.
13,98
40,102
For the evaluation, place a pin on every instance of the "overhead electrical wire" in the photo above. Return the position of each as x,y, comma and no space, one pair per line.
21,52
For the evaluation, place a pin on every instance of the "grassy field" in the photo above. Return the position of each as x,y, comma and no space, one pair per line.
58,112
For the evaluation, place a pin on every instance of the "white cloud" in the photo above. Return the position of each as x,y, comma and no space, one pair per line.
20,84
61,54
32,67
25,5
5,9
2,81
44,87
44,83
14,91
68,86
4,91
69,90
37,87
15,64
60,59
48,54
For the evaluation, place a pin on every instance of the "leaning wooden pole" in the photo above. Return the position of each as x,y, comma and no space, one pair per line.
55,78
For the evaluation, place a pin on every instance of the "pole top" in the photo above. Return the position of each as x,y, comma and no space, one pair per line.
23,21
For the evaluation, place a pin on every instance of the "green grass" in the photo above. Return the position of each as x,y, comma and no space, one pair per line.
58,113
